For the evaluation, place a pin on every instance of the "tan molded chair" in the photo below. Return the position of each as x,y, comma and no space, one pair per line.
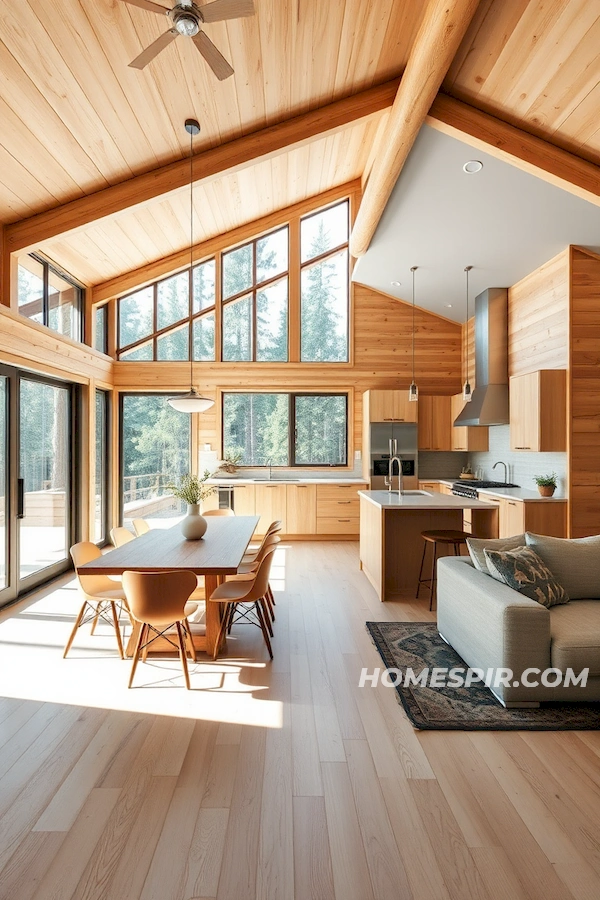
100,595
121,536
219,512
159,601
247,569
246,598
140,526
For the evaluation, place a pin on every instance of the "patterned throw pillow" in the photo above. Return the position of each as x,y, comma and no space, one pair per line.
524,571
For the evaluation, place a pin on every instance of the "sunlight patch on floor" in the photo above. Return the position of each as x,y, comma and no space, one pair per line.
32,640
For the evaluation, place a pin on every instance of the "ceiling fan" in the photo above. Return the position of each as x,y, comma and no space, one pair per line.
188,19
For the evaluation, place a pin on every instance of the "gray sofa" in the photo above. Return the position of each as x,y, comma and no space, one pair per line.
492,626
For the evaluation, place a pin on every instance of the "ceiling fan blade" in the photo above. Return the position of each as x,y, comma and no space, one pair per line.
147,4
213,57
153,50
220,10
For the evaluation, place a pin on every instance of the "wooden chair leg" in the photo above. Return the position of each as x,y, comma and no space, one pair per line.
222,628
99,609
75,627
271,597
259,614
182,654
432,582
229,616
266,616
113,606
136,652
190,637
270,610
420,581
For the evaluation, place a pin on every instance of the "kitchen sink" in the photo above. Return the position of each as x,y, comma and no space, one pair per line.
416,494
276,480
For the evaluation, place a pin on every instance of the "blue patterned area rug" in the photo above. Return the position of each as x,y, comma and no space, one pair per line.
418,645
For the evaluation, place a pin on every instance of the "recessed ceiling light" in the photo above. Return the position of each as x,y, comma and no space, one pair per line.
472,166
448,305
395,283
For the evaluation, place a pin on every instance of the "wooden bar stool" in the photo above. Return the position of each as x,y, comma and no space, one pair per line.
456,538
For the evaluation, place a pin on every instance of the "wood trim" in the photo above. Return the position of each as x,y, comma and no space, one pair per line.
176,262
438,39
512,145
229,157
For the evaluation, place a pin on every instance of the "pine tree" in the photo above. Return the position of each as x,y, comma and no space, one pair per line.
324,328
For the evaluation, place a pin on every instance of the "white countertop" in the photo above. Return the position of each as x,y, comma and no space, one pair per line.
510,493
391,500
231,482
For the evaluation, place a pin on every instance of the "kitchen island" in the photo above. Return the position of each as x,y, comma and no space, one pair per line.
390,534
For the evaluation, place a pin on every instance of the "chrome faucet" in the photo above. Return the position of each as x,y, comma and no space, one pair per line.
389,480
500,463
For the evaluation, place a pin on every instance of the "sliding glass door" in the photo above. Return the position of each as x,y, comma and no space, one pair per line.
36,480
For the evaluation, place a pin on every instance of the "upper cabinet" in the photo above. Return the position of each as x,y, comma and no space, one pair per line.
538,411
467,437
389,406
435,423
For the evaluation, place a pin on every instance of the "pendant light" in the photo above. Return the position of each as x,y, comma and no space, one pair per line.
413,391
192,402
467,394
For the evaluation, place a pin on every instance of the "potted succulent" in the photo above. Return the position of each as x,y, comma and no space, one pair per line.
230,462
546,484
192,489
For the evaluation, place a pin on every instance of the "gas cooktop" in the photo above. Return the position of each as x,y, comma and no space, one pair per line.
472,482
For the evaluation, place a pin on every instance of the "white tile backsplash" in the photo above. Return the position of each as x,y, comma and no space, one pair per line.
521,466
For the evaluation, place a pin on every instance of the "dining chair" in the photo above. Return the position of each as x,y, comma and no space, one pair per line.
247,569
219,512
158,601
246,599
121,536
100,596
140,526
273,528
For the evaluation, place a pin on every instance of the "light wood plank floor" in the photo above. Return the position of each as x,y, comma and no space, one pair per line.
273,781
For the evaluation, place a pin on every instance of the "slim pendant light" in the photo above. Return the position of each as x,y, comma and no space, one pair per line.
192,402
467,393
413,391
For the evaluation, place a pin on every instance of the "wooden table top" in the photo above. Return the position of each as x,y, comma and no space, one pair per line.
219,552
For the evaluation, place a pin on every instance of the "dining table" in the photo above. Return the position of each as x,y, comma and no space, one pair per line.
218,554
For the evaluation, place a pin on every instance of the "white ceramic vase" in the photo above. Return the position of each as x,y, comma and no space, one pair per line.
193,526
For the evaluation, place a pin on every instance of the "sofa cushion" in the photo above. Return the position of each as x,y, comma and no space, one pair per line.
575,636
575,562
476,547
524,571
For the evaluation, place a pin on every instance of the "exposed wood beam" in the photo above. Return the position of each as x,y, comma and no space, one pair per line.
442,29
210,164
525,151
168,265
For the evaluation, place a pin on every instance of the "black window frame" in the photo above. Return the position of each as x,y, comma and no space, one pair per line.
103,310
292,396
106,467
252,290
157,333
315,260
79,289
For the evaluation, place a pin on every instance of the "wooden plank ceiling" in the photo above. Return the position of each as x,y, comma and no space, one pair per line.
75,119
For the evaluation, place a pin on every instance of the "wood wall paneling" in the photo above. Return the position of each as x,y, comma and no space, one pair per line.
538,319
584,395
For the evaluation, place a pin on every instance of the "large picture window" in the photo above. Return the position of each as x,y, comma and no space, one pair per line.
155,442
324,285
49,297
281,429
170,319
255,300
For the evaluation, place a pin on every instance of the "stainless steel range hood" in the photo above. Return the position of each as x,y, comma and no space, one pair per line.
489,405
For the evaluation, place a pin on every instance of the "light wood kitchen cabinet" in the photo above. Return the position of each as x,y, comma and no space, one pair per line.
270,504
433,486
435,423
466,437
538,411
389,406
301,508
539,516
338,508
244,500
